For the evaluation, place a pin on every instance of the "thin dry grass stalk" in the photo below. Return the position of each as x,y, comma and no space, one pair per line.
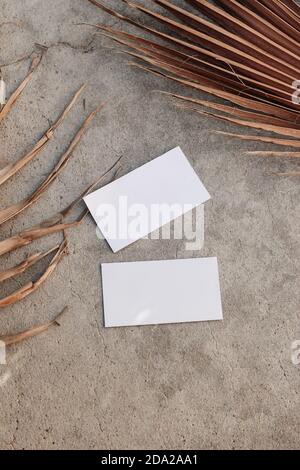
17,93
11,169
10,212
53,225
246,53
31,287
10,340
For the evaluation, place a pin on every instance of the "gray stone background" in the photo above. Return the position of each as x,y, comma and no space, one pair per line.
230,384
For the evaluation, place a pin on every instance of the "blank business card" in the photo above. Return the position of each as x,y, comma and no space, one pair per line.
146,199
160,292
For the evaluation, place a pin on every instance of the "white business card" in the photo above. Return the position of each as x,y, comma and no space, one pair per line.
161,292
144,200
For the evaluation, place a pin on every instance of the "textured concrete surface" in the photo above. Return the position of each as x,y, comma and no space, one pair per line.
218,385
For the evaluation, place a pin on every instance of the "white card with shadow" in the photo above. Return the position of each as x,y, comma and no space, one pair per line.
146,199
161,292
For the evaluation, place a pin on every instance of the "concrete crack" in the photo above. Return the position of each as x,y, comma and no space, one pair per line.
85,48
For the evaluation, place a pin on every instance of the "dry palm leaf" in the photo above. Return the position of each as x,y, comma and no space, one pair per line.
243,52
53,225
37,330
257,138
28,236
289,173
24,265
10,212
33,286
11,169
17,93
274,154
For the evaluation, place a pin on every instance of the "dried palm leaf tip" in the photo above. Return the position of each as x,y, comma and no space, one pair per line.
31,287
9,340
24,265
56,224
244,52
11,169
18,92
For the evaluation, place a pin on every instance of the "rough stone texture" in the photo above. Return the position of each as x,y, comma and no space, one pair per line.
221,385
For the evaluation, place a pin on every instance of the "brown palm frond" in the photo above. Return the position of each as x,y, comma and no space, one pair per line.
271,153
9,170
259,138
28,236
24,265
54,224
10,340
240,51
15,209
31,287
17,93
